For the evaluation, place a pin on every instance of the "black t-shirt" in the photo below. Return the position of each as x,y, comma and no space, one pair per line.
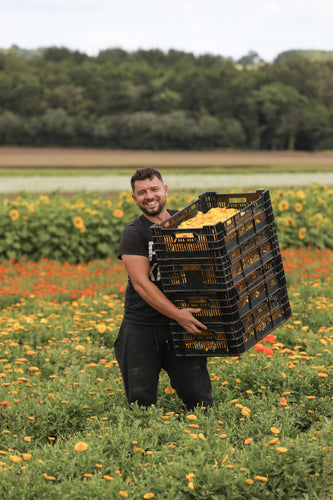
136,239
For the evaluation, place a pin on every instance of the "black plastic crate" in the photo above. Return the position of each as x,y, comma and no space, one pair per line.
209,273
234,338
255,213
232,304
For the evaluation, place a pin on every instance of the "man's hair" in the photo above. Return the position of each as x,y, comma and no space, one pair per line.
145,173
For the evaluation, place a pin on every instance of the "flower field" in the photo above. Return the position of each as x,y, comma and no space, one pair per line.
87,227
67,432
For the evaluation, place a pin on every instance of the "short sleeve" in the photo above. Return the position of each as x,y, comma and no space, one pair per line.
133,241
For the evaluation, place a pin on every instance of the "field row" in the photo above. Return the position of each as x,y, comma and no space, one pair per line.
85,158
67,432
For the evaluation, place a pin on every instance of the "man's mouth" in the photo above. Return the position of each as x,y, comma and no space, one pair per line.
151,204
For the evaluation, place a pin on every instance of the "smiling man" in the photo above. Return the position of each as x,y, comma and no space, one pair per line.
142,348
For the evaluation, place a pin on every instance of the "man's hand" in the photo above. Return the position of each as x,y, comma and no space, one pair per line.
186,320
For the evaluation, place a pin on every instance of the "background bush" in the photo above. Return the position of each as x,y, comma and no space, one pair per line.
88,227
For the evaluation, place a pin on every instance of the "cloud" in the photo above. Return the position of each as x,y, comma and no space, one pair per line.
215,26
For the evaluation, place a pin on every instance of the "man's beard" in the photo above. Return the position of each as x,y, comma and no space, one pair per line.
153,213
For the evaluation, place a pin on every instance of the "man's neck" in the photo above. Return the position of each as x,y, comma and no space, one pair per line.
157,219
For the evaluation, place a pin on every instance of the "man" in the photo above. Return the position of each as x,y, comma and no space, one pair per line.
142,347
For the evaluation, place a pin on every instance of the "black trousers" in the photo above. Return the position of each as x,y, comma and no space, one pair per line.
142,351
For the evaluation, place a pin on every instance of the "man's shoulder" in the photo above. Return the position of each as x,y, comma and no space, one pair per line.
135,224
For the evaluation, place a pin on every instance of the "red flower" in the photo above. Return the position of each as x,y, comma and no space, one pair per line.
5,403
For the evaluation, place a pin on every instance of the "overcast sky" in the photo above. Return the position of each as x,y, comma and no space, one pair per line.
229,28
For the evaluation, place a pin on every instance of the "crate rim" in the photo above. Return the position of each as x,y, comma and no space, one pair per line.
161,224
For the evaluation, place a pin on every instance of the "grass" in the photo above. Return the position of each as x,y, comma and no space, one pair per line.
77,171
66,430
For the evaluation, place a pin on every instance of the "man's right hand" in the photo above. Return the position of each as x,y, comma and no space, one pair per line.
189,322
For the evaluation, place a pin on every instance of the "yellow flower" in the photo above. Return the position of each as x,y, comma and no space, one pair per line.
298,207
191,485
49,478
190,476
148,495
14,459
26,456
300,194
249,481
290,221
301,233
261,478
123,494
107,478
101,327
81,446
44,198
78,222
192,417
275,431
281,449
283,205
14,214
118,214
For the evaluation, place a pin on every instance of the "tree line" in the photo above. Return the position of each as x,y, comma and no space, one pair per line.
149,99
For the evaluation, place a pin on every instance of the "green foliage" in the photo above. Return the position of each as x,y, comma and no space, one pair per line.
61,386
149,99
88,227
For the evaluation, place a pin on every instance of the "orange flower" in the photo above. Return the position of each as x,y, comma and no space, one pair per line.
262,478
101,327
49,478
281,449
81,446
283,402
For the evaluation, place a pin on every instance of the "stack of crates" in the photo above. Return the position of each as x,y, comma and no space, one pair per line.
231,270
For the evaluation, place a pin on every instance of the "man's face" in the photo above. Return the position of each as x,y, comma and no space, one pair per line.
150,196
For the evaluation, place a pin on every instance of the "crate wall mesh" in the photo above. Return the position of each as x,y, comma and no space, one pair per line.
232,270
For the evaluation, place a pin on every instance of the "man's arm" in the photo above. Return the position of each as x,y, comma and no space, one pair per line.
137,267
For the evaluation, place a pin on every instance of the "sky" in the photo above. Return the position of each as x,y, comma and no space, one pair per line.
230,28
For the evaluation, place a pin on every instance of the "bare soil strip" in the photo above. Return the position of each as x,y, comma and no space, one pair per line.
85,158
